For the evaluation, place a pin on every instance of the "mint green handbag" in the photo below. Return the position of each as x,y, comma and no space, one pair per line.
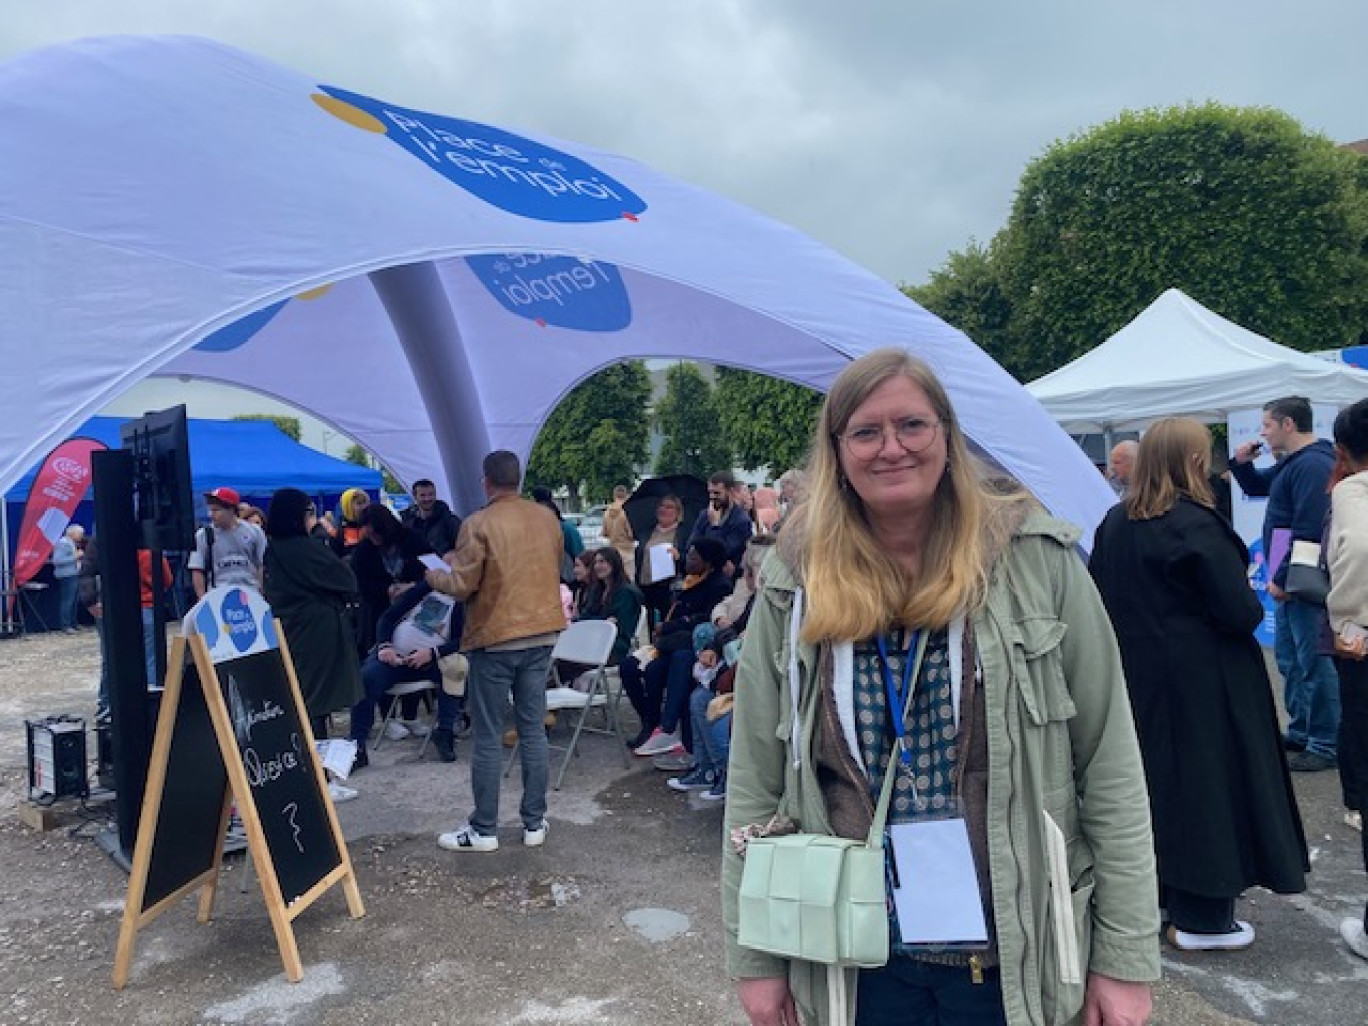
820,898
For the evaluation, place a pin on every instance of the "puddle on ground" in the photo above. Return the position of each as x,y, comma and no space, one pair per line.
657,925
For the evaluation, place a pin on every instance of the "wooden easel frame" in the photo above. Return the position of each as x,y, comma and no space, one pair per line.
239,791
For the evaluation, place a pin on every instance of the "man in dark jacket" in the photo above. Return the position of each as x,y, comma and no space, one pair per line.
723,520
1298,497
431,519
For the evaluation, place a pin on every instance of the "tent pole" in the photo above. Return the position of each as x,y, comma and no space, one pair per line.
420,309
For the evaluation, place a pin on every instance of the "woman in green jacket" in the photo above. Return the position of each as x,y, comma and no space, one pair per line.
1018,726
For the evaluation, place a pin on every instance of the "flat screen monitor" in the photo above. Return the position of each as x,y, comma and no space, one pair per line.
160,443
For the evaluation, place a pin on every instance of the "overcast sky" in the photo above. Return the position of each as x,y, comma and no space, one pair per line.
892,131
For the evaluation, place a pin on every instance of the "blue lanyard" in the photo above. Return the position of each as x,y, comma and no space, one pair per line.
899,698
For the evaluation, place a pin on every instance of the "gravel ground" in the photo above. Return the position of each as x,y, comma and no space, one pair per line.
615,920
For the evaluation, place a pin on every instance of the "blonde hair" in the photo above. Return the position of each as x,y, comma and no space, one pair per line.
1173,463
854,588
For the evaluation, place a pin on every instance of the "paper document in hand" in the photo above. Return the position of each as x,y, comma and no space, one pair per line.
662,562
938,897
434,562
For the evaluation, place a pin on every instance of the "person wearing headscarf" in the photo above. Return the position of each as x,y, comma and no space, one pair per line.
348,535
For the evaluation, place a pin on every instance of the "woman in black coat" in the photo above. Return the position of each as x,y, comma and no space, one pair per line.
309,589
1173,575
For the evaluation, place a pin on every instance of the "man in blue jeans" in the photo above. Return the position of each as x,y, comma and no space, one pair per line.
506,568
1298,498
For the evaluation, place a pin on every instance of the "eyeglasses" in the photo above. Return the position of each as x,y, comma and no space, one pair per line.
912,433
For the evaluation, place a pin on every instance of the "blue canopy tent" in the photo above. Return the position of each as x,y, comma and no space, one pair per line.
252,457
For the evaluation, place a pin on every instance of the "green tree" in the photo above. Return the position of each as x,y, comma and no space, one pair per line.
967,291
597,435
289,425
689,418
1242,209
358,455
767,422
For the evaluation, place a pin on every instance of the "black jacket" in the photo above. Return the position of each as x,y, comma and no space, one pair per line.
439,530
733,532
1225,816
374,577
309,588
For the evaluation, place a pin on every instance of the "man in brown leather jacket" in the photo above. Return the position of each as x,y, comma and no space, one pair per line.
506,567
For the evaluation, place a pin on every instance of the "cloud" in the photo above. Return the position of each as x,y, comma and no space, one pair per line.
893,132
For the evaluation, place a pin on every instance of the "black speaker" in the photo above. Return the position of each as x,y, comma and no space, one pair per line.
56,758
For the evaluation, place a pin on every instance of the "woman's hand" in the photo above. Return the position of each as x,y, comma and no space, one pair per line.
767,1001
1110,1002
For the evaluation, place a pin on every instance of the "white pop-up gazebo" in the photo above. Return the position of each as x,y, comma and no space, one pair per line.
1179,359
429,285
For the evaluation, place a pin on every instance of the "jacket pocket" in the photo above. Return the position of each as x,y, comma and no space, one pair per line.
1038,665
1068,932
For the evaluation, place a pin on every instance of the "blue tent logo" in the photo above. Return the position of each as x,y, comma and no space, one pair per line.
560,291
508,171
240,332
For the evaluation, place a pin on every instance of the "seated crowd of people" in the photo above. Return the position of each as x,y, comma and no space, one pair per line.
361,617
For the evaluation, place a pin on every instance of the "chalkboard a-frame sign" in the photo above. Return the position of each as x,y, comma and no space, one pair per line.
233,730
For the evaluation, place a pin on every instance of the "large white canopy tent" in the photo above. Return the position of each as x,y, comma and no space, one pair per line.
428,285
1179,359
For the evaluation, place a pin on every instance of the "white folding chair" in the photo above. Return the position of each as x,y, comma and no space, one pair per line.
588,642
397,692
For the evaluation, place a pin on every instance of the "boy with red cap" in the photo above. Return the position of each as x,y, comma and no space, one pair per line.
229,550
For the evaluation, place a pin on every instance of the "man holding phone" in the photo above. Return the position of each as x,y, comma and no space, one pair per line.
1298,498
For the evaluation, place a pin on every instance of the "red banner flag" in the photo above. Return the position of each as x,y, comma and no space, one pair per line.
61,484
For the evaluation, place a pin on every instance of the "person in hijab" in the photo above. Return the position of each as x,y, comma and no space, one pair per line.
349,532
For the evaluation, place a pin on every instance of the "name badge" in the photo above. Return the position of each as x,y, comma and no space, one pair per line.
935,889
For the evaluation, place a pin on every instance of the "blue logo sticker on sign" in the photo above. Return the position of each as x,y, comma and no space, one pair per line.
505,170
560,291
238,620
234,622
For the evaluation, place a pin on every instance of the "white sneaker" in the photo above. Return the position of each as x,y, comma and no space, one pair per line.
1236,940
417,728
659,743
466,838
536,838
341,792
1352,932
395,731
